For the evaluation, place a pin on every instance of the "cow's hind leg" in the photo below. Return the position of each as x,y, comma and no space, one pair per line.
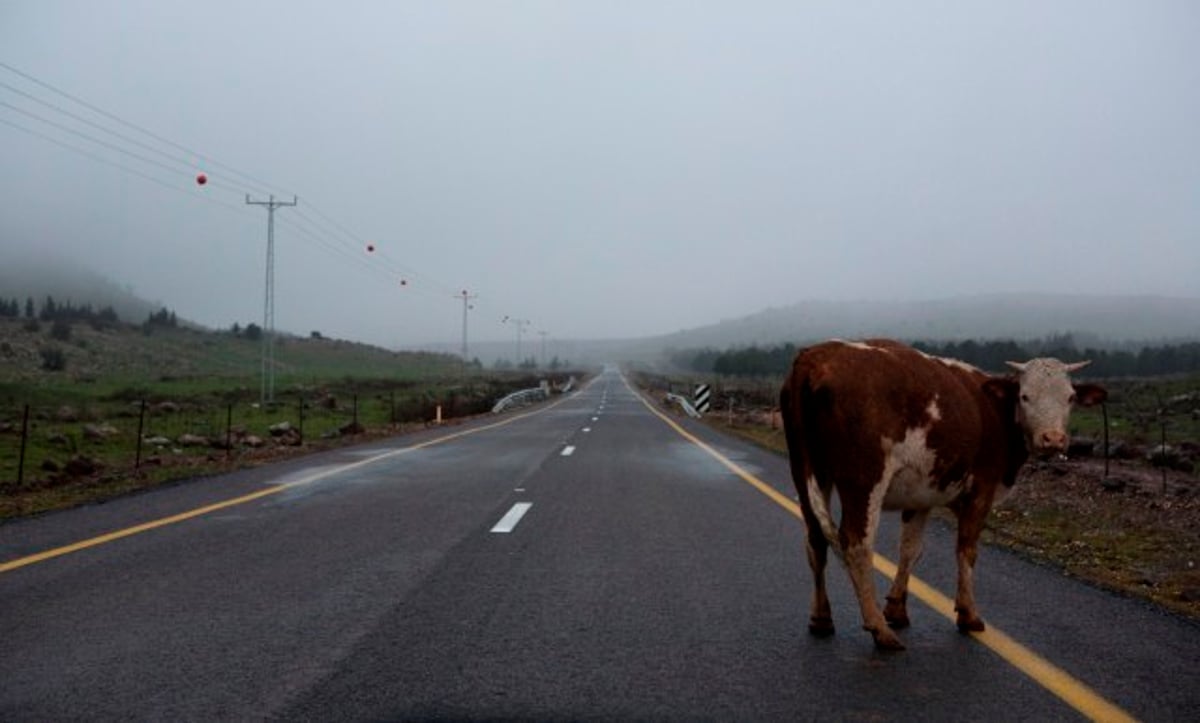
912,532
820,622
859,523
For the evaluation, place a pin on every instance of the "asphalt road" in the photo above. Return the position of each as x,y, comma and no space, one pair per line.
648,578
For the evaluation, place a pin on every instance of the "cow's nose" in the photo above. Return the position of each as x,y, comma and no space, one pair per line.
1052,440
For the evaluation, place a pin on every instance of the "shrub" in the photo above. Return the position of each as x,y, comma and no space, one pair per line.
60,330
53,359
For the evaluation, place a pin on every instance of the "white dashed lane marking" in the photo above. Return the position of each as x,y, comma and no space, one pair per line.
509,522
568,451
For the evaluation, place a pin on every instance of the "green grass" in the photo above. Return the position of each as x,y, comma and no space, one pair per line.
178,382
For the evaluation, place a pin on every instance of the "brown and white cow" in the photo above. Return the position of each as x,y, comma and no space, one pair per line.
891,428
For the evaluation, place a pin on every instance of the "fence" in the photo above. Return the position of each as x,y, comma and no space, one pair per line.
45,443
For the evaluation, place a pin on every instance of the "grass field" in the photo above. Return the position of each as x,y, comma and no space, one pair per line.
131,409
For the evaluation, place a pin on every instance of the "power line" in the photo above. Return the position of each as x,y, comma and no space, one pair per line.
328,233
114,164
211,162
93,139
185,163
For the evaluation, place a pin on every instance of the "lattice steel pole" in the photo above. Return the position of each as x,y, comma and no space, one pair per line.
267,395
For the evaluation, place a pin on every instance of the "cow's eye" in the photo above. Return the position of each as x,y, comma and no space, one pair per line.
1025,398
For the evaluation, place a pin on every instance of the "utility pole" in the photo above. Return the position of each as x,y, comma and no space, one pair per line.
466,300
268,341
520,324
543,335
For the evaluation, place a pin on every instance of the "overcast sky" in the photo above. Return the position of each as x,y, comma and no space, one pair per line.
602,169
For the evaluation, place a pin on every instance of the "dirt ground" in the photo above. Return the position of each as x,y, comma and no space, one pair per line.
1124,531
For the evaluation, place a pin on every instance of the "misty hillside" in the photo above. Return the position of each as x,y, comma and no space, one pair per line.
22,277
128,354
1103,320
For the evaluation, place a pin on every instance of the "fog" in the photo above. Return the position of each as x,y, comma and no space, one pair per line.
601,169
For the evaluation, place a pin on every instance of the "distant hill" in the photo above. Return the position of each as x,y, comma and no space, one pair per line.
22,277
1104,320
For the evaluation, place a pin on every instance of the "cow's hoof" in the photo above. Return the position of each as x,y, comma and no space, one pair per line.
895,611
896,614
820,627
885,639
897,622
970,624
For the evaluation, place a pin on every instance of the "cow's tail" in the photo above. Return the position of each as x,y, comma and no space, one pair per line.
796,407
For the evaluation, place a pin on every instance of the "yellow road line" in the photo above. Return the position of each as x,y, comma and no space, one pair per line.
136,529
265,492
1054,679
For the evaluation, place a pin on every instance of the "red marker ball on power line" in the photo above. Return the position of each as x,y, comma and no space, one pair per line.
201,179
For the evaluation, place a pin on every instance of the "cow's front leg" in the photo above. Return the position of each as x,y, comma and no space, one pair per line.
970,524
911,539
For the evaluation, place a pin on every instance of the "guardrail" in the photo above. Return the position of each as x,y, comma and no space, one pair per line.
683,402
522,397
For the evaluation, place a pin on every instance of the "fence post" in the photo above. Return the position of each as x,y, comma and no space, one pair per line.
1104,409
229,431
137,460
355,414
1163,446
392,406
301,426
24,437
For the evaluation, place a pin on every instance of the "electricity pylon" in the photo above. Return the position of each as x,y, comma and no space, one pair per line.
268,341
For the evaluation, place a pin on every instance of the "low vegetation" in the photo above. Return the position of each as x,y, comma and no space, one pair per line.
124,407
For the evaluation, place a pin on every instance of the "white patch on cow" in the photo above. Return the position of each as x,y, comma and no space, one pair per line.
932,410
952,363
874,509
956,364
907,481
821,509
858,345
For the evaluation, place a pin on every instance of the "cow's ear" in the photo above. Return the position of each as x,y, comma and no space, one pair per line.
1002,388
1087,395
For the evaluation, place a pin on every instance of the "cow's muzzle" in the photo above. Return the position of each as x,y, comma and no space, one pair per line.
1049,443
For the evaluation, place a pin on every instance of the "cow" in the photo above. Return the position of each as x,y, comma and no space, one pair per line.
892,428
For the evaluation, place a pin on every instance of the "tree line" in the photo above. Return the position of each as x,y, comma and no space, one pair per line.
990,356
58,311
61,314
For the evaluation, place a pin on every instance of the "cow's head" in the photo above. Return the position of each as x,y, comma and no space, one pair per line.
1042,394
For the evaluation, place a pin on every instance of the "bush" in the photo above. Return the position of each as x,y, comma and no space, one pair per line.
60,330
53,359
